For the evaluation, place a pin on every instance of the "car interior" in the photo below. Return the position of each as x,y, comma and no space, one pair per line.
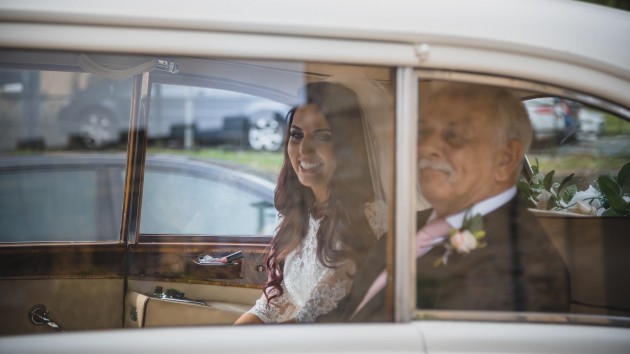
114,235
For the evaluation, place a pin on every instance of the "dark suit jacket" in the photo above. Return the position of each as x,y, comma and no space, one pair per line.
518,270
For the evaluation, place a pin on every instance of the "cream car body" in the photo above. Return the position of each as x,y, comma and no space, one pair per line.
571,45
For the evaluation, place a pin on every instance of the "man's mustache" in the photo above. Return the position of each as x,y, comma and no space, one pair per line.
435,165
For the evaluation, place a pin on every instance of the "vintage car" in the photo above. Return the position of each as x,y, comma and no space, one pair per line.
142,284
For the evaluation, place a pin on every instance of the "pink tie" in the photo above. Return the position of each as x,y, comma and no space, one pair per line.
424,240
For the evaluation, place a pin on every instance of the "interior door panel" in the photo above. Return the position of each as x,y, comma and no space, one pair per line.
75,226
208,294
82,287
175,262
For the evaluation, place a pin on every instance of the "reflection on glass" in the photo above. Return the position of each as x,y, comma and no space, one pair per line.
584,151
577,184
228,135
176,203
69,195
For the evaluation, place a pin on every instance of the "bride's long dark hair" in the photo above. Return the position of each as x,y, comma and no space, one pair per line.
343,217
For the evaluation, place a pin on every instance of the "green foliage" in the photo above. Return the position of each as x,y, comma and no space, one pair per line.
619,4
542,193
615,192
609,196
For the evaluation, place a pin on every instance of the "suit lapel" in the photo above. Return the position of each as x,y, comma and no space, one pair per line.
435,285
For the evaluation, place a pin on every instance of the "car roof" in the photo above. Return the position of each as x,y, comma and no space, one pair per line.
566,42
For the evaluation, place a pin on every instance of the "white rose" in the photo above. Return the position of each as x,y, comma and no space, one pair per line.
585,202
537,178
583,207
463,241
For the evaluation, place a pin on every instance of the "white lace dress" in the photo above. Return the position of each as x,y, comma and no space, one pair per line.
311,289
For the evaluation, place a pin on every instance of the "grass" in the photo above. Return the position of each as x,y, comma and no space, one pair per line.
266,164
615,125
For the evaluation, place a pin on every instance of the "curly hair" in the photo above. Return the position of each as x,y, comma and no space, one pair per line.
342,218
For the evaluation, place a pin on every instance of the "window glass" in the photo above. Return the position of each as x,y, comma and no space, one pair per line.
231,142
549,238
58,142
239,171
586,146
41,206
295,153
178,203
228,128
580,187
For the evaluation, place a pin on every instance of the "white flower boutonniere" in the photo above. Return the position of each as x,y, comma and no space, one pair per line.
463,241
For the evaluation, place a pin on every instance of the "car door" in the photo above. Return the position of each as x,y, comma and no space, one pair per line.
61,251
72,240
193,209
204,195
166,200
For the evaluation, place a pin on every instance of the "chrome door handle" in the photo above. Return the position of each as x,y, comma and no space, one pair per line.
174,295
39,315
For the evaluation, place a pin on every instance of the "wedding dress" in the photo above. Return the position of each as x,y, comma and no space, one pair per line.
311,289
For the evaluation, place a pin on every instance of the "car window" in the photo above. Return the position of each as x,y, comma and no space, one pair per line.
585,146
180,180
213,195
211,204
582,172
54,185
232,137
43,205
573,189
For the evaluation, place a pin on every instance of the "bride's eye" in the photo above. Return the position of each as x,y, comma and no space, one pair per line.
324,136
296,135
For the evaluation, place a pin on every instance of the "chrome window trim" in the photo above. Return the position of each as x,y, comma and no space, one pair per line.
405,202
136,150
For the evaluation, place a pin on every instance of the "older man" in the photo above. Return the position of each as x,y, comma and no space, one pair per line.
471,144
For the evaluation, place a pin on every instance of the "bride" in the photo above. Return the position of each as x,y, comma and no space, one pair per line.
330,202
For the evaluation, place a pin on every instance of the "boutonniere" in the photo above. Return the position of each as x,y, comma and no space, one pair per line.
464,240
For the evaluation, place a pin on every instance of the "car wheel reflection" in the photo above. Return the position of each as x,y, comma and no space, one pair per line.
97,129
265,133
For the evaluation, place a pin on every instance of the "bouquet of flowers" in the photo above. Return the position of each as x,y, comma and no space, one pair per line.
608,196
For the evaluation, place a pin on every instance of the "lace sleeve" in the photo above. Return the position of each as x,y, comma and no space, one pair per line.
376,213
277,310
332,286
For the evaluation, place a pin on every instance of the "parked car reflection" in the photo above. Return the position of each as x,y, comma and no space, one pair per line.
98,115
563,120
